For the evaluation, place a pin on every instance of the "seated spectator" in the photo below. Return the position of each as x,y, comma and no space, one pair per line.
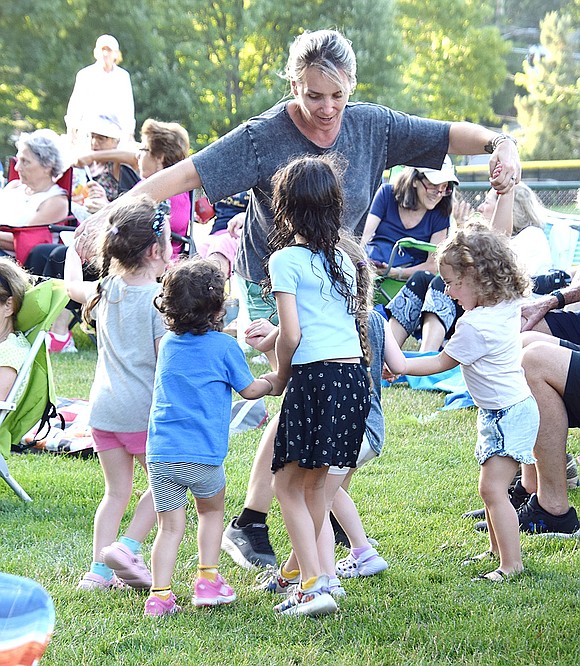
423,308
552,372
162,145
418,205
14,347
33,199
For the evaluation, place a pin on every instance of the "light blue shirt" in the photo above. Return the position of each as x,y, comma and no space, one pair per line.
328,330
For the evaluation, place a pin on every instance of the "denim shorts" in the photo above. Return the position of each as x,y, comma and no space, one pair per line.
509,432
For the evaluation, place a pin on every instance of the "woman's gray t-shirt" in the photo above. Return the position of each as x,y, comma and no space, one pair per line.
372,138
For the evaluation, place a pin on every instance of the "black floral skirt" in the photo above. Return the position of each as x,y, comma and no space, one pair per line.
322,421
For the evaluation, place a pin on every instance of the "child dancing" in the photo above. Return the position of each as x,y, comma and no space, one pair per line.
197,369
363,559
318,350
482,274
134,249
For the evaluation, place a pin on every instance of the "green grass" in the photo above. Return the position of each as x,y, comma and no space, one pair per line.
424,610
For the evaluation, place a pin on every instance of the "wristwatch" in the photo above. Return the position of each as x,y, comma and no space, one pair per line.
497,139
560,296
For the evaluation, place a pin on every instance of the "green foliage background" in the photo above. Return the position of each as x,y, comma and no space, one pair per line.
212,65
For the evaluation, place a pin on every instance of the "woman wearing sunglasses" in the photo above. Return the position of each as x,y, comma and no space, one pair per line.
416,205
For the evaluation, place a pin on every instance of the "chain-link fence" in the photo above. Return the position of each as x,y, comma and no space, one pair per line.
562,196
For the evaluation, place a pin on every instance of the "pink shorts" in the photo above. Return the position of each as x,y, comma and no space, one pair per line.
222,243
133,442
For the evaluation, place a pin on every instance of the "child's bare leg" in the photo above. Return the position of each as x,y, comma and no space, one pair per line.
167,542
210,512
504,533
117,465
301,495
144,517
529,478
325,542
345,511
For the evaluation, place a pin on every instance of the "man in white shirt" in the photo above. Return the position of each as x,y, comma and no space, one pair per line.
103,88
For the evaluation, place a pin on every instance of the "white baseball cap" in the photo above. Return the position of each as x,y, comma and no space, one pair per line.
107,41
446,174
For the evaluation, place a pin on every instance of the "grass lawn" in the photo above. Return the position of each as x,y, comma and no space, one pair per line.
424,610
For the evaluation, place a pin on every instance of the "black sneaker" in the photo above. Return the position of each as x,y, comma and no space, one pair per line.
518,496
340,538
249,546
535,520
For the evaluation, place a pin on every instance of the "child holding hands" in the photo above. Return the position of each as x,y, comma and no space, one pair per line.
318,352
134,249
197,369
481,272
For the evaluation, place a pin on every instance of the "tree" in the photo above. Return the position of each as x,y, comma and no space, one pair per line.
206,65
548,113
456,59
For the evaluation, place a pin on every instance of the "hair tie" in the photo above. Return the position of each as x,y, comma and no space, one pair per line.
159,218
362,264
210,288
114,230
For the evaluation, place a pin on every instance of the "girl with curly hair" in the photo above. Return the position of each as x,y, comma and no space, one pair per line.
482,274
197,369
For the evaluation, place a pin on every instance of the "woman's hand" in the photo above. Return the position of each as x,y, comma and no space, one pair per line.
235,225
87,232
261,334
461,212
505,155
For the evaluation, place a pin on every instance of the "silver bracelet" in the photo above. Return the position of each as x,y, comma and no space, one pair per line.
497,139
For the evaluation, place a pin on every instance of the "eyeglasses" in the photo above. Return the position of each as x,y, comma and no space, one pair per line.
144,150
435,189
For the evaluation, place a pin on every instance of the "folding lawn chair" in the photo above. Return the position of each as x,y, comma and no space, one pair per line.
25,238
386,287
41,306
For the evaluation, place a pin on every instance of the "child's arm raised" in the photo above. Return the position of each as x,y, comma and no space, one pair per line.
429,365
77,289
502,219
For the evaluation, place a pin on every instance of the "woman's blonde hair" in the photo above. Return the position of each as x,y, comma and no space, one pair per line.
485,257
329,52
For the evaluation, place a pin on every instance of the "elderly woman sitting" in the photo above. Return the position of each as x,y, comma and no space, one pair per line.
33,199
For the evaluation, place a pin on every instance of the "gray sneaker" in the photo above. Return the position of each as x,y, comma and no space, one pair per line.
249,546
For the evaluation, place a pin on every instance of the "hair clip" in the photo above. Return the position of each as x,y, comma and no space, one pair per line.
159,219
114,230
210,288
